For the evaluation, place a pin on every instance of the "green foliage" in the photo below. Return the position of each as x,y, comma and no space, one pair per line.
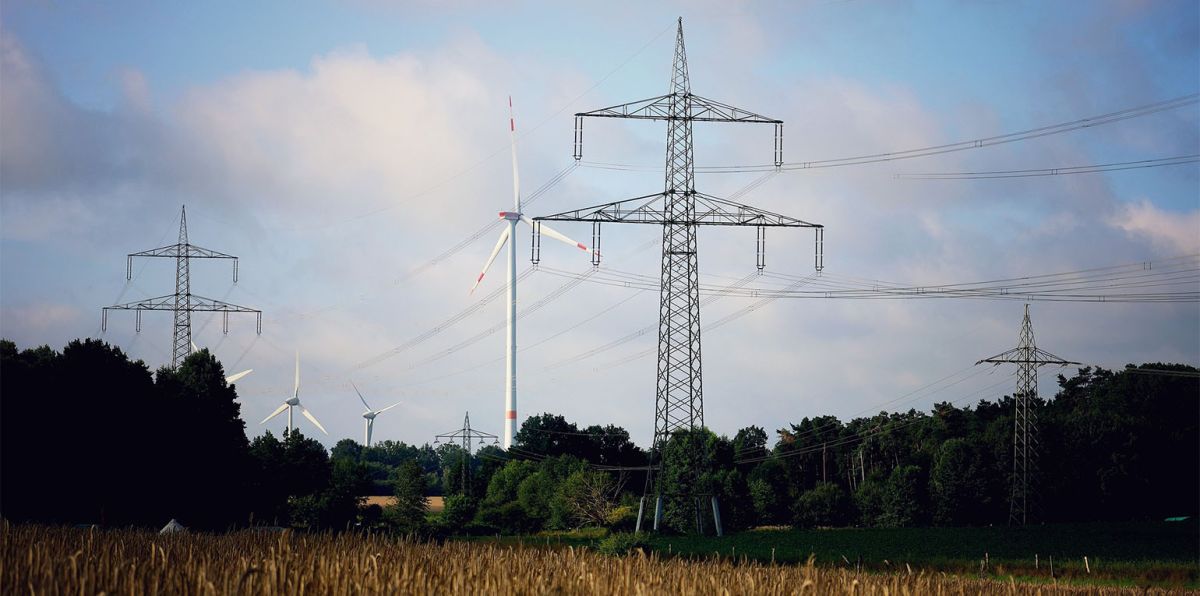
457,511
958,484
904,499
621,544
408,514
825,505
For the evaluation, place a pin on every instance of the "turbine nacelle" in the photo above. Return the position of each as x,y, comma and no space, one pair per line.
294,402
369,415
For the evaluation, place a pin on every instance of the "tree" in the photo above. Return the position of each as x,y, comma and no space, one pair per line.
408,514
590,497
904,498
827,504
958,485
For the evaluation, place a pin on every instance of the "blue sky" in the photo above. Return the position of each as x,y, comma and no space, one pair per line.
337,147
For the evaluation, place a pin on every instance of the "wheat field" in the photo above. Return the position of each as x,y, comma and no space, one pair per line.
50,560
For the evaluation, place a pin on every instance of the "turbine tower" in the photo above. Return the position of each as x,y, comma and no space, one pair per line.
294,402
510,348
1028,357
369,415
680,209
183,302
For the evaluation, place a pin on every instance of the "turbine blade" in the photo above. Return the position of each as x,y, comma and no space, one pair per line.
277,412
512,132
312,419
231,379
360,397
296,388
491,258
551,232
195,348
389,407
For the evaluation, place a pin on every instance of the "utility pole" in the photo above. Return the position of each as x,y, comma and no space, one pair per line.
679,209
464,436
1028,357
183,303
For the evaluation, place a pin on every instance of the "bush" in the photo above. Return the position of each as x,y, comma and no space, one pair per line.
457,511
622,518
621,544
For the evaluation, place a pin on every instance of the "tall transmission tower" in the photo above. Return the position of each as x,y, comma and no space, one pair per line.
183,303
1028,357
679,209
465,435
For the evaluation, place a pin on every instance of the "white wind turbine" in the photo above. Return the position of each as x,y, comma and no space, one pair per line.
370,415
512,217
294,402
231,378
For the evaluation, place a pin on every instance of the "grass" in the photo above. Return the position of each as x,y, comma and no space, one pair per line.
40,559
1132,554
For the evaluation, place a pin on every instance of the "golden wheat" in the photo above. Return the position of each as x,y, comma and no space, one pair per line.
47,560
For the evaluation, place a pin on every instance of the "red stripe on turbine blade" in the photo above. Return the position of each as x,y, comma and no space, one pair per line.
512,125
512,415
581,246
479,279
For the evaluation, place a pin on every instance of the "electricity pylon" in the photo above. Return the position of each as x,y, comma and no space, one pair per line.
679,209
182,302
1028,357
466,434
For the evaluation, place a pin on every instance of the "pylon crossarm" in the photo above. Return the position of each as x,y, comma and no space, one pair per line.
701,109
160,303
655,108
715,211
636,210
188,250
1018,356
197,252
710,211
200,303
708,110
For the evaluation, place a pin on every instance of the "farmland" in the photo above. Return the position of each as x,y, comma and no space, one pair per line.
40,559
1141,553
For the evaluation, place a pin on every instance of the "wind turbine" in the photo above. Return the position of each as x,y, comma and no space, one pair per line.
231,378
512,217
294,402
370,415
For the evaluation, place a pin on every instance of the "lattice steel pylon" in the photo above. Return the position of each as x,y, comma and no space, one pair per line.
679,209
1028,357
466,434
182,302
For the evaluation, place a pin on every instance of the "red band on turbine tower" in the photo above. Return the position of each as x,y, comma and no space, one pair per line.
512,415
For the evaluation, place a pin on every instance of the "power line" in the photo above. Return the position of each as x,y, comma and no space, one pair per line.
1033,133
1107,167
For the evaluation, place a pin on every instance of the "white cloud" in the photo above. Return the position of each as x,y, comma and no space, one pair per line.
1174,233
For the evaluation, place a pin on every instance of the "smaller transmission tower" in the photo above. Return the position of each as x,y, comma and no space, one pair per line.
183,303
465,435
1028,358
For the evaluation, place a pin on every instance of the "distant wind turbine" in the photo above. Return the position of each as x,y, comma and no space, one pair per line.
370,415
231,378
294,402
512,217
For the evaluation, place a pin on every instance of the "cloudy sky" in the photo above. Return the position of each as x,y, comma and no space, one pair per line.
342,150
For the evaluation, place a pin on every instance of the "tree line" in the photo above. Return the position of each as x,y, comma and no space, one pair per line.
89,436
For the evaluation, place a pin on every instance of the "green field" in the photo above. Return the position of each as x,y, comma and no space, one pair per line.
1142,553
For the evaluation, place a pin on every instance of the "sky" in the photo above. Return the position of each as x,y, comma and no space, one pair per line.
342,149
